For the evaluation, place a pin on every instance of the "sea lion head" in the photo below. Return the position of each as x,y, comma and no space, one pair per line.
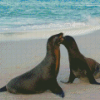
55,40
68,41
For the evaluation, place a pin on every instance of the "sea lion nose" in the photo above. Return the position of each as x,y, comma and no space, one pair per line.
62,39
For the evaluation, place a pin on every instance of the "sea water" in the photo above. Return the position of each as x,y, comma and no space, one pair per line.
30,15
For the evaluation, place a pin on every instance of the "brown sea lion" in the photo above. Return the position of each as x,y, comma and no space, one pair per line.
80,66
43,76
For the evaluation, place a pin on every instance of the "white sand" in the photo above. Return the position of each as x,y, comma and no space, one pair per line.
17,57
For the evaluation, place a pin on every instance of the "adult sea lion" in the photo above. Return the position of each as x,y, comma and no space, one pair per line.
43,76
80,66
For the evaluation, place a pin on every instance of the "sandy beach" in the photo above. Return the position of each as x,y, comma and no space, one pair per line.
17,57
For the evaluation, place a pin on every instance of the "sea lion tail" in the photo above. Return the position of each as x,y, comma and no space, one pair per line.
3,89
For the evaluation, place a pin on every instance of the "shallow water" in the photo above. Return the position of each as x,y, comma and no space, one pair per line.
30,15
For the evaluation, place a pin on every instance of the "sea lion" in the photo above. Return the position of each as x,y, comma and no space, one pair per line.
80,66
43,76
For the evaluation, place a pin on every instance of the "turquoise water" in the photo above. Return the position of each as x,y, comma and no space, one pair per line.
22,15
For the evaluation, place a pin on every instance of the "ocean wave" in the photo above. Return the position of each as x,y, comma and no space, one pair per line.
30,15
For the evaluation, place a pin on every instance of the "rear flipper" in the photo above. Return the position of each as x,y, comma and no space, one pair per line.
3,89
56,89
92,80
91,77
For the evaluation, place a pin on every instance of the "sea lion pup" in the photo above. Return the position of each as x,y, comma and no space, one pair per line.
80,66
43,76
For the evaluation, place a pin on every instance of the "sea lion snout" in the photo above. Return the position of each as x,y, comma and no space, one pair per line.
64,40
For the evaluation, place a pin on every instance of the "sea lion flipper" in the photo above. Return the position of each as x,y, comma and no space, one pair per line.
71,78
56,89
3,89
91,77
92,80
61,94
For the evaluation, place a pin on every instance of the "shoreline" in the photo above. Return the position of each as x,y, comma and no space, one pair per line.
45,34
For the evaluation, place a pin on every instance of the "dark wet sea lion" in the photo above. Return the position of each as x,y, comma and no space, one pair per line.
80,66
43,76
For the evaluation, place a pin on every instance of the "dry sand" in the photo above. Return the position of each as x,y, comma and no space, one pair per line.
17,57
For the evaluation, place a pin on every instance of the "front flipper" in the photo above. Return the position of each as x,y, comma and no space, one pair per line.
56,89
71,78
